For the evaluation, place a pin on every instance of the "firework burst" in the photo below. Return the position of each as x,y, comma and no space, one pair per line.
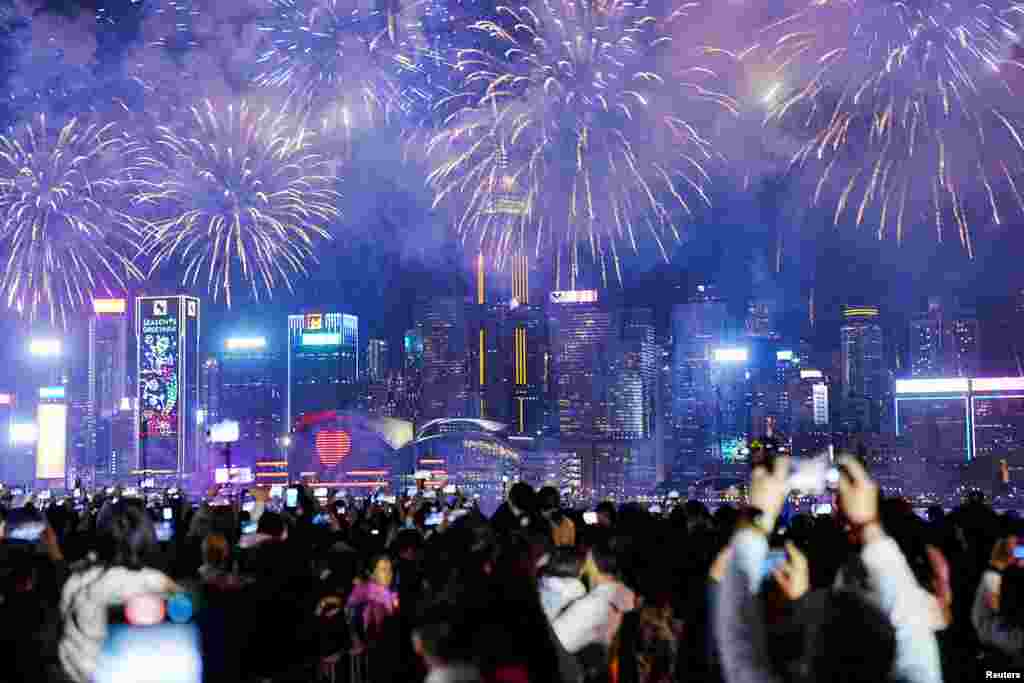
64,237
237,195
564,135
359,66
904,111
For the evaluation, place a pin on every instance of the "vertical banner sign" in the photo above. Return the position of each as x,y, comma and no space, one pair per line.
159,384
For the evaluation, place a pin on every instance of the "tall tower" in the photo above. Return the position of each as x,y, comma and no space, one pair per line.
167,330
527,335
944,343
862,360
323,363
583,334
108,377
698,327
446,378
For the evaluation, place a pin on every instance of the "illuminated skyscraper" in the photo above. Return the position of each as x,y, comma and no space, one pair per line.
251,393
864,374
446,380
377,364
488,380
107,377
167,335
323,363
698,327
582,336
944,343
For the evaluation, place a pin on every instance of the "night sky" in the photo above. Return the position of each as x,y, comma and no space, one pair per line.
391,247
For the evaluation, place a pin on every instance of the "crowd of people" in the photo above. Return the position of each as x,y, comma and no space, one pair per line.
418,589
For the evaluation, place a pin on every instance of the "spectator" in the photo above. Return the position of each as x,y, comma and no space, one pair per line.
563,530
607,516
216,567
440,641
125,545
999,622
514,514
372,601
595,618
560,583
890,616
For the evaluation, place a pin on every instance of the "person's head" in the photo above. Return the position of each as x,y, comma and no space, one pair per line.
407,545
565,563
379,569
831,654
548,499
216,551
606,514
603,559
440,637
272,524
522,497
124,534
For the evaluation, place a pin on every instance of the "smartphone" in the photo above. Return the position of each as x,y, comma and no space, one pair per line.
168,514
434,519
291,497
249,528
249,505
772,562
276,491
809,475
161,653
320,492
456,514
1018,552
28,533
322,519
590,518
164,531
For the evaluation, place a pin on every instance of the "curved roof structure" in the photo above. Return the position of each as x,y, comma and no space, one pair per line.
468,424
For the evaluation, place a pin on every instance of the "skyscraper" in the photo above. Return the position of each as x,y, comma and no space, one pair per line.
251,393
167,371
943,342
488,370
446,381
864,374
107,376
582,336
698,327
527,352
323,363
377,364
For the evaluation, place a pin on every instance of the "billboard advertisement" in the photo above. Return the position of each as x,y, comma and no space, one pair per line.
574,296
159,383
52,444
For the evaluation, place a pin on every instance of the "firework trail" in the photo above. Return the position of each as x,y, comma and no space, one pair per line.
564,135
904,111
346,65
238,195
64,237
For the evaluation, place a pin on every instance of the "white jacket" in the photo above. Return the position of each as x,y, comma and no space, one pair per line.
557,592
84,603
595,618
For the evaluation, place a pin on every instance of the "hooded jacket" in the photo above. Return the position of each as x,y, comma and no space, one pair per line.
87,597
558,592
